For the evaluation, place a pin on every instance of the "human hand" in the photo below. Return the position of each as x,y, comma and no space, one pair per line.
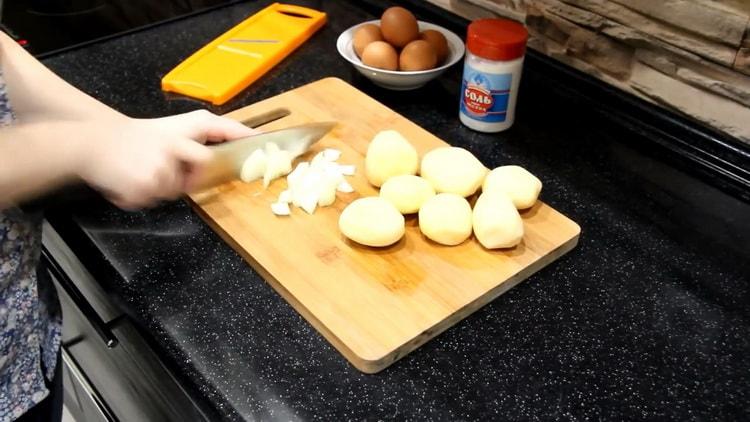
138,162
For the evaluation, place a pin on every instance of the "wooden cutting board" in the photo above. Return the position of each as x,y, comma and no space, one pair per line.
374,305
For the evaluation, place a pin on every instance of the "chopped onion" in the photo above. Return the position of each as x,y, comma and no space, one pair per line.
331,154
318,160
278,163
285,196
280,208
315,183
332,170
345,187
308,201
327,196
298,172
347,169
254,166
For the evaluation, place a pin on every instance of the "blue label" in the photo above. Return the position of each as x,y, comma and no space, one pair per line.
484,96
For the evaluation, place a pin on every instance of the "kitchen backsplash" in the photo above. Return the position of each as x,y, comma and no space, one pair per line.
692,56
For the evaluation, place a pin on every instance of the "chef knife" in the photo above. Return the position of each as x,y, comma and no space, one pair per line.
228,157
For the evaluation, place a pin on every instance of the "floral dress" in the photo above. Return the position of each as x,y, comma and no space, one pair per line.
30,323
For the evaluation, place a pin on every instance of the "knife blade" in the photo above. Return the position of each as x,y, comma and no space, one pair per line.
228,157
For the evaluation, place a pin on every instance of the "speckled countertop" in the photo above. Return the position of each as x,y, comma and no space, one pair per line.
648,318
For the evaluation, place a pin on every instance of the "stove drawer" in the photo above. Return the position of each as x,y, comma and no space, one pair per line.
106,359
81,398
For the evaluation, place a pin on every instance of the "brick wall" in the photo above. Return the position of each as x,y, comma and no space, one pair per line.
691,56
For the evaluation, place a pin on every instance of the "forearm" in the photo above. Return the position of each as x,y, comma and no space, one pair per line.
38,157
36,93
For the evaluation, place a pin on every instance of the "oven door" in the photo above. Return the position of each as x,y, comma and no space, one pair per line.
110,371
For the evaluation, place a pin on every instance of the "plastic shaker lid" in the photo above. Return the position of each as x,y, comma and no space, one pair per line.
497,39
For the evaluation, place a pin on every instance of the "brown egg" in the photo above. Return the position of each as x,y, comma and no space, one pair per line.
364,35
417,55
399,26
438,42
380,54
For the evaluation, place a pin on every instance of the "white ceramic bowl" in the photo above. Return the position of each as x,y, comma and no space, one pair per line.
398,80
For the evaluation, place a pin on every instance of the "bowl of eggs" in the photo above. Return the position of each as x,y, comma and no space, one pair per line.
399,52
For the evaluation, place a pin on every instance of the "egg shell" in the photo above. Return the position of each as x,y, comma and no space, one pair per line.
417,55
438,42
365,35
381,55
399,26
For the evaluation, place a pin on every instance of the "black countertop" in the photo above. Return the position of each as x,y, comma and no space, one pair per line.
648,318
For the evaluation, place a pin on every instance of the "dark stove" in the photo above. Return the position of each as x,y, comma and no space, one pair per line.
48,26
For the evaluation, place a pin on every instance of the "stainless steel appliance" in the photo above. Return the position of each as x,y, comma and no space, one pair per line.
48,26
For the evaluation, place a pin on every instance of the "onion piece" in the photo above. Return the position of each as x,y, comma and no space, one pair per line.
278,163
280,208
314,183
327,196
347,169
345,187
285,196
318,160
331,154
298,172
254,166
308,201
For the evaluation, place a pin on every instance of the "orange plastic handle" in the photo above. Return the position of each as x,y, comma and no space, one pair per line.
230,63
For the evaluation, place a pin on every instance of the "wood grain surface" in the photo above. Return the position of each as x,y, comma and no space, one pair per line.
374,305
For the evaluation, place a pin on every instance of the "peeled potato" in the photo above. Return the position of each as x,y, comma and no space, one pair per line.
407,192
453,170
446,218
389,154
521,186
496,221
372,221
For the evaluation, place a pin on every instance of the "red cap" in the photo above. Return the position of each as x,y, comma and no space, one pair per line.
497,39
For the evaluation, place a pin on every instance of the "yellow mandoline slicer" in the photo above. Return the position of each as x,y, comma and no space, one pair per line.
228,64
